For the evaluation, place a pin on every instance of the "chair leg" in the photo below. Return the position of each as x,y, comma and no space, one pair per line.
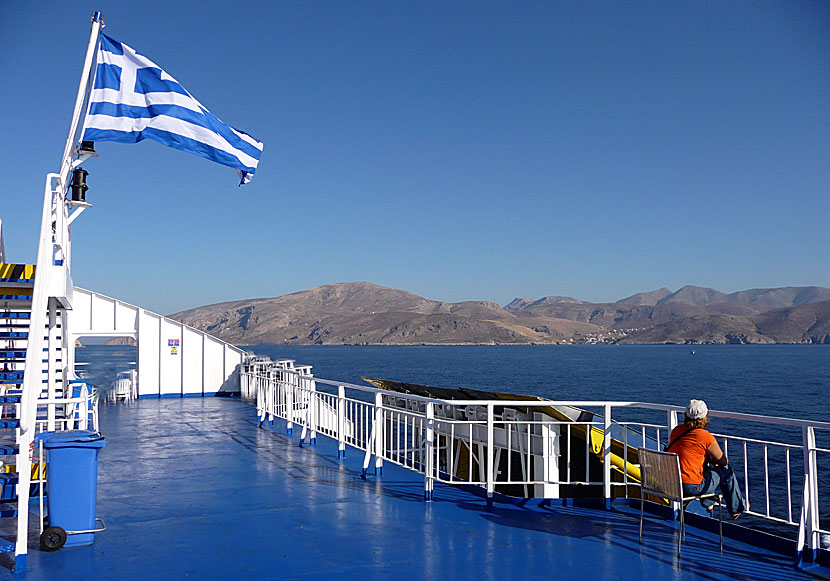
720,521
682,529
642,508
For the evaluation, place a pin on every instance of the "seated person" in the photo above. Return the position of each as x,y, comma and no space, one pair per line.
694,445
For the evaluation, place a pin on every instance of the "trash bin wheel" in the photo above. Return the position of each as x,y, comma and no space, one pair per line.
52,538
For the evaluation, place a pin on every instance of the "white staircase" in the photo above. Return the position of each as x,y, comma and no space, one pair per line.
16,286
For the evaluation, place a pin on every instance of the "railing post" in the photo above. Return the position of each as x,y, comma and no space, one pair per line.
672,423
266,392
341,421
277,388
281,398
303,415
289,403
430,459
809,522
380,432
312,402
490,477
266,389
260,397
606,456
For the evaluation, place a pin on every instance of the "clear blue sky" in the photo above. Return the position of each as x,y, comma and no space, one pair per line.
460,151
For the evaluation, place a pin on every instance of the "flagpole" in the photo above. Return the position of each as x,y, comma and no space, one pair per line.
52,198
80,100
31,381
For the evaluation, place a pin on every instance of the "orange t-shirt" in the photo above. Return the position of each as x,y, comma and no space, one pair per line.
692,451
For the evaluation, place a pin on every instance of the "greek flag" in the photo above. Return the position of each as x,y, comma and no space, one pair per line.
133,99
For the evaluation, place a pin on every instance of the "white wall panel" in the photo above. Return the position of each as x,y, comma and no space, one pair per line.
103,313
170,358
125,317
81,310
214,365
192,361
148,354
233,361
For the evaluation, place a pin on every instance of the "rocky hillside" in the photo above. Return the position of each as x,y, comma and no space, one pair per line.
364,313
802,324
128,341
368,314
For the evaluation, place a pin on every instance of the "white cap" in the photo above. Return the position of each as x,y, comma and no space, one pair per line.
696,409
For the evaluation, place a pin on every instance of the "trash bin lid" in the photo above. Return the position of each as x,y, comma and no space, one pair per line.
44,435
75,439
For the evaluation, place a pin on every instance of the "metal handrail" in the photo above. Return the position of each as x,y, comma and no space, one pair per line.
415,437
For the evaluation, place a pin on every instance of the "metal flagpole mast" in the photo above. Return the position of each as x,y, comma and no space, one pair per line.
73,156
80,100
45,285
47,239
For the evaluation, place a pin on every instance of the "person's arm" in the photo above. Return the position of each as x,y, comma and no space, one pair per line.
716,455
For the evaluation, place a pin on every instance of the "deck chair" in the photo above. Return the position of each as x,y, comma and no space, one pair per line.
660,472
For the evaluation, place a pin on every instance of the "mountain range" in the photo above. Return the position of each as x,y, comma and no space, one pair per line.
363,313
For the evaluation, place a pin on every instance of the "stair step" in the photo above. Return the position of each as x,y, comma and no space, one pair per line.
14,334
9,399
12,353
8,423
16,315
7,513
9,270
25,283
8,450
6,546
11,375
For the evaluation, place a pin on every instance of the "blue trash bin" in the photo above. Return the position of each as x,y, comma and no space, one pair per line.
72,482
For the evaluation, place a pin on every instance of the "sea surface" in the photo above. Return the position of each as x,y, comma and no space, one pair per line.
778,380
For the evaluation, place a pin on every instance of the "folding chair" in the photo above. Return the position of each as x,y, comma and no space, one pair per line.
660,477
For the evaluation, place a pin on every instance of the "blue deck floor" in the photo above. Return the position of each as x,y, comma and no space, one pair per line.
194,489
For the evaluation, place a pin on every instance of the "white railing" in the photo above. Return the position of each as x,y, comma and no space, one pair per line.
77,409
517,447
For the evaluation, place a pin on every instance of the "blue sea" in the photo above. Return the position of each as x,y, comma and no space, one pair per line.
778,380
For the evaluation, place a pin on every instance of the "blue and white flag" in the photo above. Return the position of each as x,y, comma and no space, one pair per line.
132,99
